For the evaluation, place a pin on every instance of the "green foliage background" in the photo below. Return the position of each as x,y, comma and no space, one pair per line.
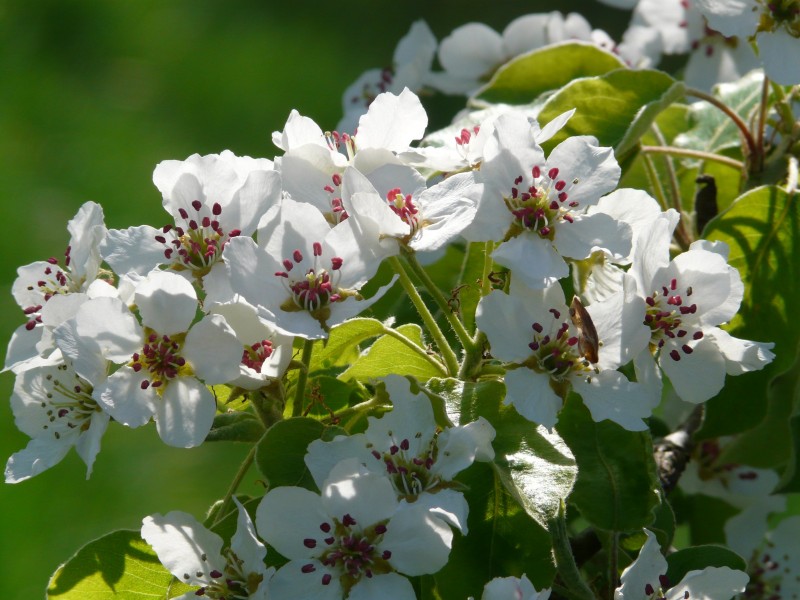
92,96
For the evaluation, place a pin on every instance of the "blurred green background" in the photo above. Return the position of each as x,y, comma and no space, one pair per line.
92,96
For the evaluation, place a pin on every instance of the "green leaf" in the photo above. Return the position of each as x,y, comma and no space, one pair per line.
762,229
617,482
235,427
698,558
529,75
117,565
389,355
535,467
341,347
280,453
469,292
502,539
630,100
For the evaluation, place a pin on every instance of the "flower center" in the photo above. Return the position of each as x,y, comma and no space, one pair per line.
231,584
316,289
409,473
557,353
403,206
350,551
666,314
338,213
777,13
661,592
542,205
199,245
53,281
160,357
256,355
67,402
371,89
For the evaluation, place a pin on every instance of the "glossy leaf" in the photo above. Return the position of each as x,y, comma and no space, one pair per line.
526,77
762,229
631,100
698,558
389,355
617,482
119,564
341,347
280,453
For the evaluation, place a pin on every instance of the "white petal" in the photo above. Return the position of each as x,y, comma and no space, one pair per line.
471,50
133,250
646,569
392,122
39,455
774,48
290,582
588,233
498,316
419,542
288,515
167,302
609,395
184,546
125,400
532,396
390,586
111,327
213,350
741,356
731,17
698,376
448,505
595,168
720,583
366,496
533,259
459,447
245,543
184,413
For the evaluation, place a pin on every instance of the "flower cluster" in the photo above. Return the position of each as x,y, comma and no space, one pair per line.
242,314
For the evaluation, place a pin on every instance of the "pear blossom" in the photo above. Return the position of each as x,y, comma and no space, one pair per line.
55,407
411,68
352,540
197,556
533,330
687,299
536,207
49,293
473,52
163,359
774,567
266,353
513,588
775,26
404,212
212,199
645,579
406,445
307,276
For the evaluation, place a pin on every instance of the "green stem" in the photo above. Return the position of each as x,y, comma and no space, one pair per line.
729,112
724,160
458,327
681,233
565,562
613,550
450,359
758,161
302,378
488,262
224,506
784,108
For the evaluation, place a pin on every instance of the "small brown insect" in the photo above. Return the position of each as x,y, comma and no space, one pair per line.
588,344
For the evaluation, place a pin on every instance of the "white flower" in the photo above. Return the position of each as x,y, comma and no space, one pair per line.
687,299
212,199
537,208
775,26
411,68
195,556
307,277
162,358
351,541
512,588
406,212
775,568
406,446
645,579
49,293
533,329
54,406
266,353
